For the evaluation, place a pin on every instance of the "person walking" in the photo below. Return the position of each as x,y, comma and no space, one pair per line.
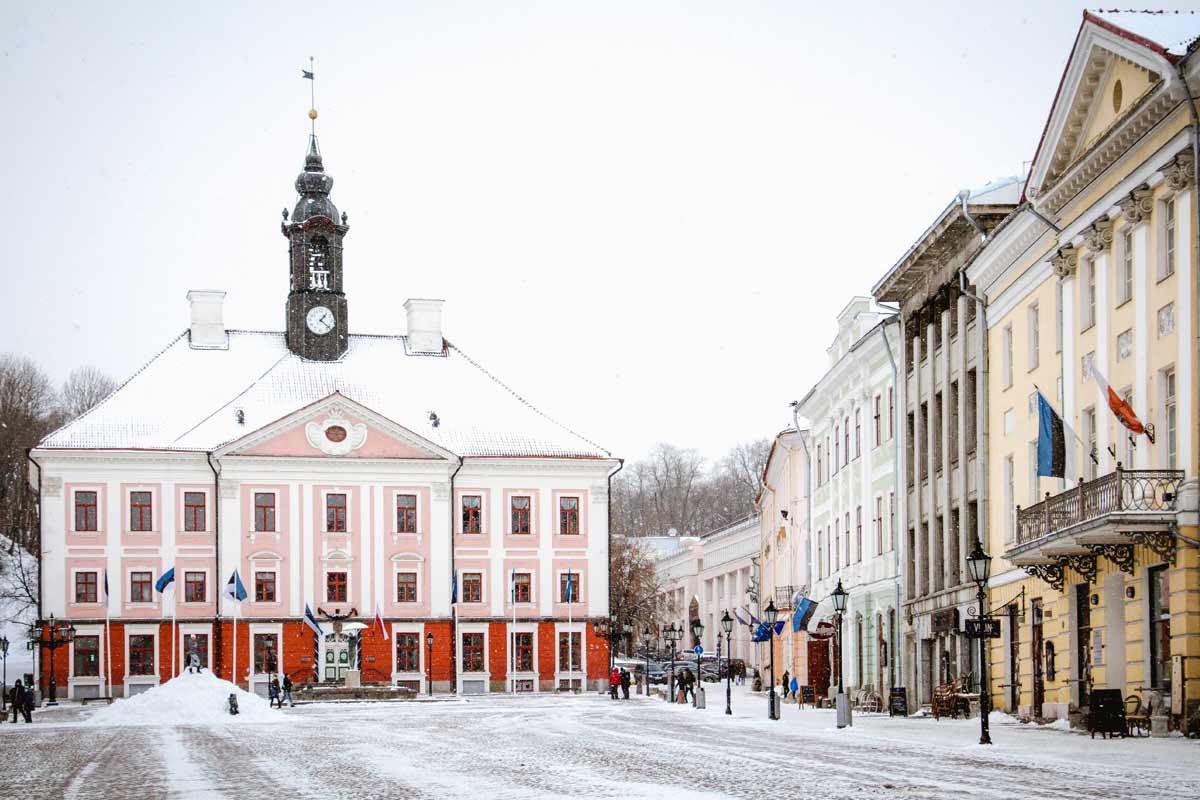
795,687
24,701
614,681
287,692
273,693
625,684
16,698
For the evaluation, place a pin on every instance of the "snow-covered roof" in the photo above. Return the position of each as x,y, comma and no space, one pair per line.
1173,31
187,399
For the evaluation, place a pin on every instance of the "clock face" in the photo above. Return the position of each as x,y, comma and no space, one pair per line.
320,320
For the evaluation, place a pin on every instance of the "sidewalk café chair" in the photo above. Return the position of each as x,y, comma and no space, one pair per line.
1136,717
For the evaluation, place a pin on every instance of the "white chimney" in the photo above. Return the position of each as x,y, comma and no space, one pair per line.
208,320
424,326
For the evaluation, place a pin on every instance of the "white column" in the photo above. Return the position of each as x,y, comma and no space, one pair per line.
1141,349
964,343
1104,418
949,574
921,559
931,494
1069,406
1184,271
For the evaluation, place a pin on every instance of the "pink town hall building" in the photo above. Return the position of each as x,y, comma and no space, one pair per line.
356,475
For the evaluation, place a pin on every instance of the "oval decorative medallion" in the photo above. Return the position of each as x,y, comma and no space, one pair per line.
336,436
335,433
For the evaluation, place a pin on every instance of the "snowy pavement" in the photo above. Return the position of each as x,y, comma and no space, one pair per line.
586,746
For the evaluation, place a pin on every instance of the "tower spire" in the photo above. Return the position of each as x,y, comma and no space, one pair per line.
310,74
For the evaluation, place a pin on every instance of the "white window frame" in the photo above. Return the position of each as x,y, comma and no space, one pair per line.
180,581
509,594
337,565
1169,391
1125,267
155,510
1033,317
580,674
264,562
127,588
1007,356
558,576
187,629
1169,232
409,628
408,565
99,588
74,680
474,627
351,528
1087,291
1010,514
98,488
254,531
395,525
276,628
483,586
181,522
525,675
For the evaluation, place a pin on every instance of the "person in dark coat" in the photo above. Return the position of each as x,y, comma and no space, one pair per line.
785,684
16,699
625,683
689,684
273,693
287,692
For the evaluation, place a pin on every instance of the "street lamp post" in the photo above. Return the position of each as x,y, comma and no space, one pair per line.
646,641
727,626
429,664
698,691
672,633
4,684
979,564
771,615
840,596
627,636
57,634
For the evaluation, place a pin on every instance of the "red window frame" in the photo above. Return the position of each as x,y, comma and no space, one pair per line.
472,513
571,639
335,512
86,512
406,513
264,586
195,585
522,588
408,652
568,516
472,587
86,657
141,587
523,646
264,512
265,646
472,652
86,587
194,516
141,654
406,587
562,588
141,512
521,519
336,587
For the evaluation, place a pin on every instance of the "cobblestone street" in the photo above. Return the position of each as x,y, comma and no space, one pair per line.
544,746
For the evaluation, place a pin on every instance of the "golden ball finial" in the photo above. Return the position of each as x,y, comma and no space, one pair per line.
312,113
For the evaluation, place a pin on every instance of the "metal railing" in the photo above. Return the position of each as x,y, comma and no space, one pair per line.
783,596
1124,490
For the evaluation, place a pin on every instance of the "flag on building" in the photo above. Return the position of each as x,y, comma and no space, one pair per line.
106,588
1119,406
166,580
453,589
1052,441
570,583
739,617
311,621
803,615
234,590
379,623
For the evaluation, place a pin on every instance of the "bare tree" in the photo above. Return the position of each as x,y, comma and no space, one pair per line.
633,587
27,413
86,386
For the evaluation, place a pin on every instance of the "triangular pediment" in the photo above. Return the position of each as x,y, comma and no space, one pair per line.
336,427
1107,76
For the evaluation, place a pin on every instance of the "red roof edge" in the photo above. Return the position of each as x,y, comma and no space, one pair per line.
1112,27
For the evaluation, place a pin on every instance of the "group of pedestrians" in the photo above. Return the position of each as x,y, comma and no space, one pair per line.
22,699
280,694
620,679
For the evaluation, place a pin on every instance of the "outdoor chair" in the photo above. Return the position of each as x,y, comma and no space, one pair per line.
1136,717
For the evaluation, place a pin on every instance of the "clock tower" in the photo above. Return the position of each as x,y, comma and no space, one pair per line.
317,319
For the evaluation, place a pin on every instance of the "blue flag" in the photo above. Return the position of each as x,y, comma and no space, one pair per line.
234,590
1051,446
311,621
803,615
166,580
570,581
453,589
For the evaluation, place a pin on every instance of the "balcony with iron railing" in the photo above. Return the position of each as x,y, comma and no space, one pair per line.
783,596
1102,517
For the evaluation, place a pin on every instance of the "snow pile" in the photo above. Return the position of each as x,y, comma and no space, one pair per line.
191,698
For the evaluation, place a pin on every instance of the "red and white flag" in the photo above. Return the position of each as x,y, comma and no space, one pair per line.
379,623
1119,407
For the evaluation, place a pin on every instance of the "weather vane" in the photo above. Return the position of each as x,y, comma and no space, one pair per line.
312,93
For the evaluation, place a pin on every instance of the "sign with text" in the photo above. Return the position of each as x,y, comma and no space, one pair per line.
987,628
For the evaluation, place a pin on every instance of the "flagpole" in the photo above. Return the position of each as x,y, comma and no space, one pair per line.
107,639
570,653
174,646
237,607
512,634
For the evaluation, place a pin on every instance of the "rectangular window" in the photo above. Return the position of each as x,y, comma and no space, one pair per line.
523,645
846,448
264,512
194,587
86,587
336,589
1170,419
472,587
568,516
936,430
406,587
835,548
406,513
266,653
193,512
879,526
858,544
1007,364
1160,629
952,428
1058,317
969,412
1166,320
1089,437
1087,300
472,652
522,588
569,651
1124,344
264,586
408,652
141,654
141,518
571,594
909,449
1034,336
846,560
891,412
857,432
821,569
87,656
1125,275
1009,508
1168,263
891,520
837,449
335,513
820,466
520,515
141,587
878,420
924,430
472,507
86,517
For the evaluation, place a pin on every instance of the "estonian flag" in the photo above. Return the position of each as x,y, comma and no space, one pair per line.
803,614
311,621
166,580
1052,442
234,590
570,581
453,589
306,74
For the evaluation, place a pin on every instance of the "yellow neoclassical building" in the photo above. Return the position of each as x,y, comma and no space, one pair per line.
1096,575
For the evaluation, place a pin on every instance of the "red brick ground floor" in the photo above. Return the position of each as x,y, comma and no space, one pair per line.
472,656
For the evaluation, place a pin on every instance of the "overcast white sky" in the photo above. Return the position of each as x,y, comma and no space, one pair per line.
643,216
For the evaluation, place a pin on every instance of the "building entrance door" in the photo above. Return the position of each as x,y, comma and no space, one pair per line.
1038,646
337,656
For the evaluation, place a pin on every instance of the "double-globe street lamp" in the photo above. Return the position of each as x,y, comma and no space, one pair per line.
770,616
673,634
840,596
55,635
727,626
646,636
979,564
698,689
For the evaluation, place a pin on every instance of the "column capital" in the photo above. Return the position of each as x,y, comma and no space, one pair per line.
1180,171
1136,207
1099,235
1065,261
